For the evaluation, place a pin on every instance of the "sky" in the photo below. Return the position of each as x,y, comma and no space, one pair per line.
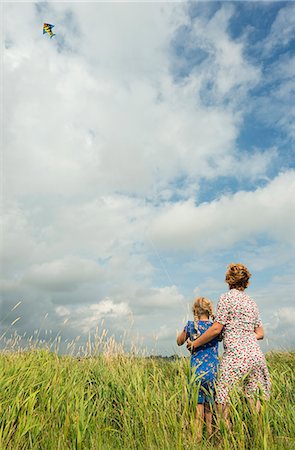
144,148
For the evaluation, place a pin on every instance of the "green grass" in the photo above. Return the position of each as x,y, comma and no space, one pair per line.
122,401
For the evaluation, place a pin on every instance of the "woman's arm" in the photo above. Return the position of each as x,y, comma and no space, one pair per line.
259,332
210,334
181,338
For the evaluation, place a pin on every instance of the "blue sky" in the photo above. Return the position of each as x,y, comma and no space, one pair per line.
146,146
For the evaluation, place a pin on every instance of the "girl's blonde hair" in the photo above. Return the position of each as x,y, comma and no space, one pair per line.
201,306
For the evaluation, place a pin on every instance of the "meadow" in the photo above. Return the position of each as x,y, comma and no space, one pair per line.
114,400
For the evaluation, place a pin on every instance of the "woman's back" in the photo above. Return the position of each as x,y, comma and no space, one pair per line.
240,316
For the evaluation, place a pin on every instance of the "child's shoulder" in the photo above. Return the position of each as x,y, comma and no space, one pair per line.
203,325
189,325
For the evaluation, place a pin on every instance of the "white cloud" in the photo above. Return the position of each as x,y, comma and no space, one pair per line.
109,116
273,104
63,275
280,333
263,256
87,318
156,299
19,246
165,332
226,68
230,219
62,311
286,315
282,30
100,138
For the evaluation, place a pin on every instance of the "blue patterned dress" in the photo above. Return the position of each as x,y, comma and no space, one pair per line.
204,362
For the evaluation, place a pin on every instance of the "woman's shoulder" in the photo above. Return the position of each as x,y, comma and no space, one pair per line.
225,296
236,294
252,301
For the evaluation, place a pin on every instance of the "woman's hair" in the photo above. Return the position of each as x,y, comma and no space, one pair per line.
237,276
201,306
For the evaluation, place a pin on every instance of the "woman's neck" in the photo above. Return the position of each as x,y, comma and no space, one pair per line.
203,317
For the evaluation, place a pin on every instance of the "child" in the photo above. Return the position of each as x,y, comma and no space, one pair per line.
204,360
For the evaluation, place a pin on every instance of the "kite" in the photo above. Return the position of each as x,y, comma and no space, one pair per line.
47,28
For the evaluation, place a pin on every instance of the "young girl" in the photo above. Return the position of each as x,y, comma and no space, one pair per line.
204,361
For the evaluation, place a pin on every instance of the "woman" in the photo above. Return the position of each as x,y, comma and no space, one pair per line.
238,318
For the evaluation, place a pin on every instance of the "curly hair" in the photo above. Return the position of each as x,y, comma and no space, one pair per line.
201,306
237,276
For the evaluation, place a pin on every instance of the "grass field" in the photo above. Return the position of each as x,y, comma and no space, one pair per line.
122,401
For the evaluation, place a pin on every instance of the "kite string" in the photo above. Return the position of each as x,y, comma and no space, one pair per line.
160,259
163,265
166,272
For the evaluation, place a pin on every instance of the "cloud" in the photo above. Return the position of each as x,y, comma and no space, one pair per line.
86,318
156,299
272,104
111,136
19,245
279,333
226,73
275,105
286,315
281,32
230,219
165,333
63,275
115,122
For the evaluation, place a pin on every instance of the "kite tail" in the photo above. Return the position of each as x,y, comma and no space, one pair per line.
52,35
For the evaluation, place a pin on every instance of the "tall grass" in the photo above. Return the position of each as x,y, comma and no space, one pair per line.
126,401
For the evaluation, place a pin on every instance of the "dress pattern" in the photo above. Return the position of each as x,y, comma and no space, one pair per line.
242,357
204,362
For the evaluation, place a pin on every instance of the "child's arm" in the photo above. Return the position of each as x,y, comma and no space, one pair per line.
182,337
259,333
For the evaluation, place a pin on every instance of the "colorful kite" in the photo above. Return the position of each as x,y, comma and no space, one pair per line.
47,28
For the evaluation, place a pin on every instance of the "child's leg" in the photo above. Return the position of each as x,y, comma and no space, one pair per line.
200,420
208,417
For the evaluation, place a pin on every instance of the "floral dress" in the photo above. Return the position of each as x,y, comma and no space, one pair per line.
242,358
204,362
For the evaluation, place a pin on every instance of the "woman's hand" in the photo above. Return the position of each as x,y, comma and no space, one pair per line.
206,337
259,333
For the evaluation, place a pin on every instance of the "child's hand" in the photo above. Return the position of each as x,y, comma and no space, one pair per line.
189,345
195,336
